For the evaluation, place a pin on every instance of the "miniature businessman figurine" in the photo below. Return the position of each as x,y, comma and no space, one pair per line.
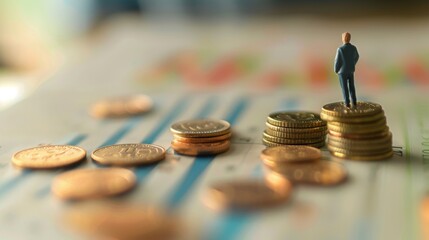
345,61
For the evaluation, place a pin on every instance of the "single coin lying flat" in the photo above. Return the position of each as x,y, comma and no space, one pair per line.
48,156
121,106
93,183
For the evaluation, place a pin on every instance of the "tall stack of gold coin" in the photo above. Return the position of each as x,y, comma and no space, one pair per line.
201,137
357,133
294,128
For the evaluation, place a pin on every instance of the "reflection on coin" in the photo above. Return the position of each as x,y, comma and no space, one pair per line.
194,149
273,144
200,128
295,119
319,173
122,106
123,221
339,109
295,130
292,141
93,183
247,194
48,156
202,139
374,157
273,156
129,154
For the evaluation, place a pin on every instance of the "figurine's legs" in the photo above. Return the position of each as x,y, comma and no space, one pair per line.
352,88
344,88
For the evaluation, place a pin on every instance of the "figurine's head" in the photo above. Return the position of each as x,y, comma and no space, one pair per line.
346,37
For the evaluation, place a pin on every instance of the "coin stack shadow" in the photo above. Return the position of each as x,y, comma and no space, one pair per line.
358,133
294,128
201,137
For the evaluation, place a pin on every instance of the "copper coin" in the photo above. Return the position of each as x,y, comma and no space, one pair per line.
195,149
129,154
247,194
123,221
93,183
339,109
202,139
273,156
201,128
295,119
122,106
318,173
48,156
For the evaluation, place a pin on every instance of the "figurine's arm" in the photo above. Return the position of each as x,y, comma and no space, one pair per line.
356,56
338,61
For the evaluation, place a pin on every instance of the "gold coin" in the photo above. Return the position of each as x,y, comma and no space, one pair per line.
202,139
295,119
364,158
128,154
93,183
121,106
295,130
361,146
123,221
362,120
273,156
274,144
356,136
201,128
195,149
360,152
358,129
380,122
339,109
48,156
361,142
319,172
295,135
247,194
270,138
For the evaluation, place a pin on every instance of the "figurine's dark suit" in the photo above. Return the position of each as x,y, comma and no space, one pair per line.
345,61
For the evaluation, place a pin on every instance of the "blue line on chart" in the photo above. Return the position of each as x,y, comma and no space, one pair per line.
231,225
143,171
8,185
200,164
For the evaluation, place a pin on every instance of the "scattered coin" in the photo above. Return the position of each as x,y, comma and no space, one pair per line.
200,128
123,221
273,156
194,149
93,183
318,173
122,106
247,194
129,154
48,156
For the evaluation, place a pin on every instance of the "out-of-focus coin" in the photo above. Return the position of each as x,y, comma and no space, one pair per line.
195,149
363,147
295,119
247,194
295,135
356,136
273,144
292,141
360,152
121,106
319,172
339,109
123,221
294,130
201,128
358,128
202,139
424,214
129,154
352,119
93,183
273,156
48,156
374,157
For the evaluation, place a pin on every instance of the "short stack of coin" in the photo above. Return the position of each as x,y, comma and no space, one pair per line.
359,132
201,137
301,164
294,128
